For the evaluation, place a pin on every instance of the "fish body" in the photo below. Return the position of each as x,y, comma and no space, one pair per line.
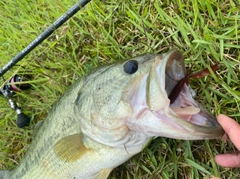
110,115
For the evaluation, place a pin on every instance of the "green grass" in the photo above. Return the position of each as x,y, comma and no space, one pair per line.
205,31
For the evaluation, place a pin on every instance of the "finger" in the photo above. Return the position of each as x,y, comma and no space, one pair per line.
232,128
213,177
228,160
225,137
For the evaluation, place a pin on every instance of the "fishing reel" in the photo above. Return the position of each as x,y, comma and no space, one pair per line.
16,84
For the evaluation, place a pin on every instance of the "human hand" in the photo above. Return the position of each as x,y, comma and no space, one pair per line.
232,129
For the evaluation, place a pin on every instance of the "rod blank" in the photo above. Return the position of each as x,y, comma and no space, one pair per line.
73,10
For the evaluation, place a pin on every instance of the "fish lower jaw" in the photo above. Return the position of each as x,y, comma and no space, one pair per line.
186,108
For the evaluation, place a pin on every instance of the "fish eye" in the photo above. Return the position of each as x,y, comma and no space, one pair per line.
130,66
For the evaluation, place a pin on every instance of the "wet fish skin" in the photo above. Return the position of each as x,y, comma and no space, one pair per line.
107,117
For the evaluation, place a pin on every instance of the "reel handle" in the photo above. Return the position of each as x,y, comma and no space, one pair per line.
22,119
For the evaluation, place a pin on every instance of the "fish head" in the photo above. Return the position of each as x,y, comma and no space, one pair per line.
127,98
148,92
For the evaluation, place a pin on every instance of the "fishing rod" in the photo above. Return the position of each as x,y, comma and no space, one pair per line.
73,10
10,88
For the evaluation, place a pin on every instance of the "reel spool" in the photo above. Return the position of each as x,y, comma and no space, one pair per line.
15,85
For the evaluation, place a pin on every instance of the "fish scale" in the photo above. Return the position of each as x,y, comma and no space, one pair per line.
110,115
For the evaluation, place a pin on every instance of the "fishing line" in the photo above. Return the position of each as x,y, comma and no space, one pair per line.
12,85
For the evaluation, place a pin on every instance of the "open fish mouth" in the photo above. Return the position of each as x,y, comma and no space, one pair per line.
191,114
155,113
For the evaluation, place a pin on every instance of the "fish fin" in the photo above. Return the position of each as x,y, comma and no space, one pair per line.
70,148
4,174
103,174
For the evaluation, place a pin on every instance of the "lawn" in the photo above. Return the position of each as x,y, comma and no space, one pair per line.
206,31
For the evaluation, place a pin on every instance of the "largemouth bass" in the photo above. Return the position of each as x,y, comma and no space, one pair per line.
110,115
